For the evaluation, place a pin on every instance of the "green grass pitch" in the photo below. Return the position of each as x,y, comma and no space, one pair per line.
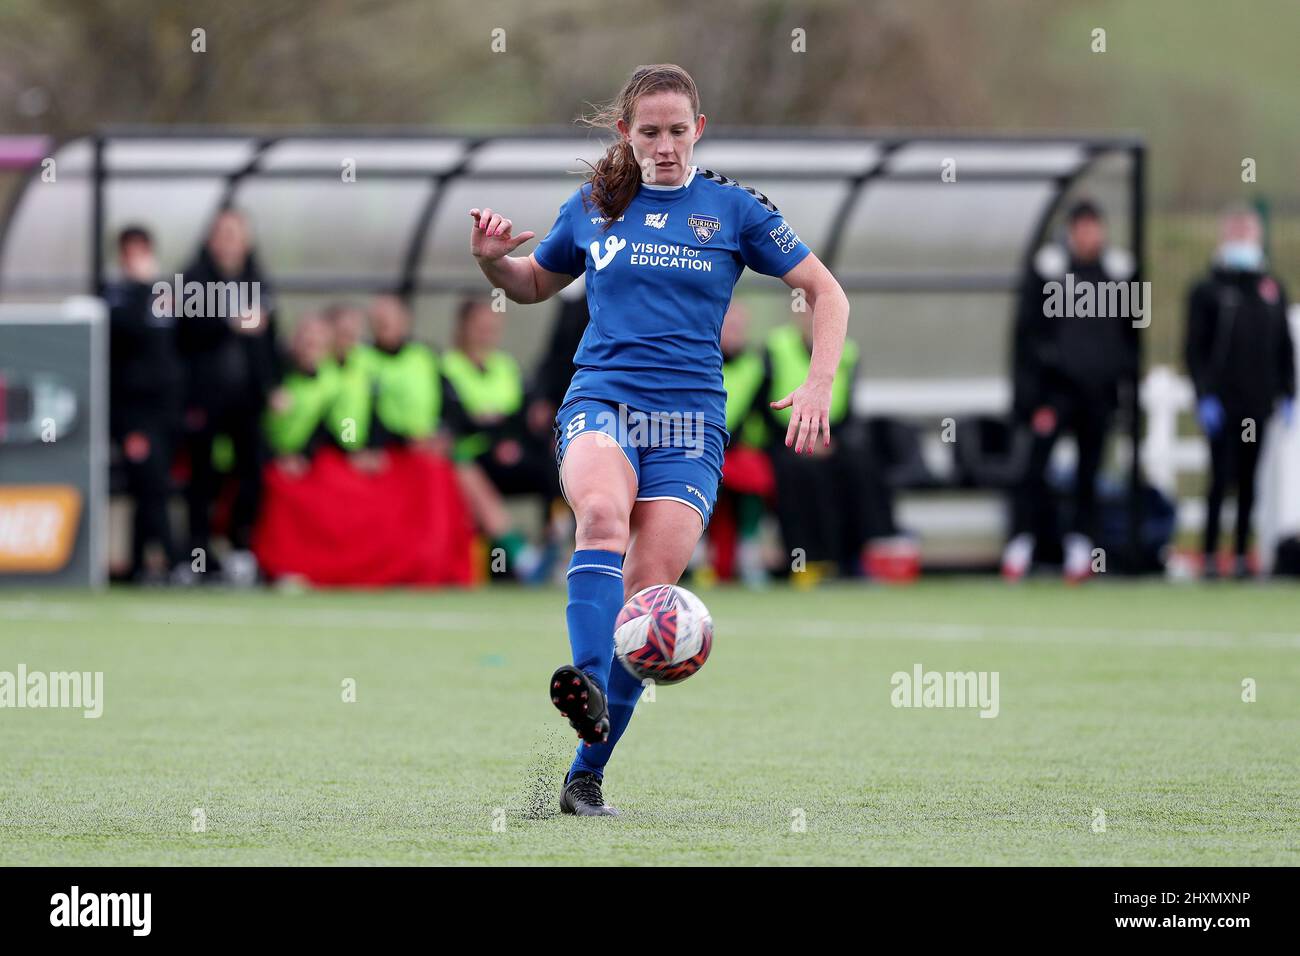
1116,697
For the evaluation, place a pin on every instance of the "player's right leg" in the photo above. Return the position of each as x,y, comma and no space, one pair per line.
600,484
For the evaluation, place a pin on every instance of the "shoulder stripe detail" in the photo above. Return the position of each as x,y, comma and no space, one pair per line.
728,181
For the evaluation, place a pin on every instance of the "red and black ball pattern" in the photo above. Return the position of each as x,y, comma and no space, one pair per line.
663,633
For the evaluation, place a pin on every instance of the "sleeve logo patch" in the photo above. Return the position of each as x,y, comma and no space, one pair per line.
784,237
703,226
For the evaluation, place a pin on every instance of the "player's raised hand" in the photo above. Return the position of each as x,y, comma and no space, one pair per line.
490,237
810,413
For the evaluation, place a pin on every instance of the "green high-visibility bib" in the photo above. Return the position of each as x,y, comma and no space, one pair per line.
405,389
742,377
310,399
348,419
790,361
496,389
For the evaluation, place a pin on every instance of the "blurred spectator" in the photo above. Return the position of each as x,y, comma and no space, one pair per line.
227,338
747,479
1241,360
495,451
297,416
485,405
555,371
391,513
404,382
1067,371
349,419
347,328
145,385
820,498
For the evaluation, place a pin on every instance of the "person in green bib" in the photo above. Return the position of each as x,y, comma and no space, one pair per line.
349,419
394,393
295,421
348,323
496,454
747,481
820,499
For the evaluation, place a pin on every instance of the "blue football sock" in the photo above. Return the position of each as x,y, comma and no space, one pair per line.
595,598
624,692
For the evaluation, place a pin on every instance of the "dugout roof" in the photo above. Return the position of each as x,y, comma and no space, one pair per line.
875,207
931,266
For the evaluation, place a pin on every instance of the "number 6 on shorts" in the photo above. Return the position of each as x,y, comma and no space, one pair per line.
576,424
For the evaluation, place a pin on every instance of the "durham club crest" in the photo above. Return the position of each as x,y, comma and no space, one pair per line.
703,226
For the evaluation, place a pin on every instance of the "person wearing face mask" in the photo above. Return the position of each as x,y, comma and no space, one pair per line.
1241,361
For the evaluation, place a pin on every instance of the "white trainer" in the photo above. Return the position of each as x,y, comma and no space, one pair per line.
1017,556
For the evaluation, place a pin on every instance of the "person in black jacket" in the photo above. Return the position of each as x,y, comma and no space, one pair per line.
1067,369
822,499
144,396
555,371
228,341
1241,360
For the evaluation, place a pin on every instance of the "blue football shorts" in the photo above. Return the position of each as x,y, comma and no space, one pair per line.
674,456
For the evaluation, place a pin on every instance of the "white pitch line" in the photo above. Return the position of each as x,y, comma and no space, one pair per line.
216,615
190,614
884,630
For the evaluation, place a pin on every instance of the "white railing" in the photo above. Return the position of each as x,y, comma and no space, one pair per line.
1165,396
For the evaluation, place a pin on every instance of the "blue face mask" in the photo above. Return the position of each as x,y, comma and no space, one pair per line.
1242,256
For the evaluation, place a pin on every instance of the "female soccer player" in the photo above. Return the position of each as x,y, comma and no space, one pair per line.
641,431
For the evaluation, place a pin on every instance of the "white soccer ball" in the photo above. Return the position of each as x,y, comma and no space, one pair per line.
664,633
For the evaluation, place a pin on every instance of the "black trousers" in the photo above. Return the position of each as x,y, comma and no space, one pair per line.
146,438
1233,463
1088,420
533,473
823,502
242,425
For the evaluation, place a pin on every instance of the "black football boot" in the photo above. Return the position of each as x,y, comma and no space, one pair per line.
577,697
581,796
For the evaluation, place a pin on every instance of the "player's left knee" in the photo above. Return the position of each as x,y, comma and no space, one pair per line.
664,571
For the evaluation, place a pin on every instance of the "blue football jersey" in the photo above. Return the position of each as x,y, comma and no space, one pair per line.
658,284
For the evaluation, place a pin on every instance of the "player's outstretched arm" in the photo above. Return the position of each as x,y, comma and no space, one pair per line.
810,403
524,281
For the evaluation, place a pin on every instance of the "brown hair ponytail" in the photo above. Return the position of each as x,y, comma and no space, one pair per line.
616,177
